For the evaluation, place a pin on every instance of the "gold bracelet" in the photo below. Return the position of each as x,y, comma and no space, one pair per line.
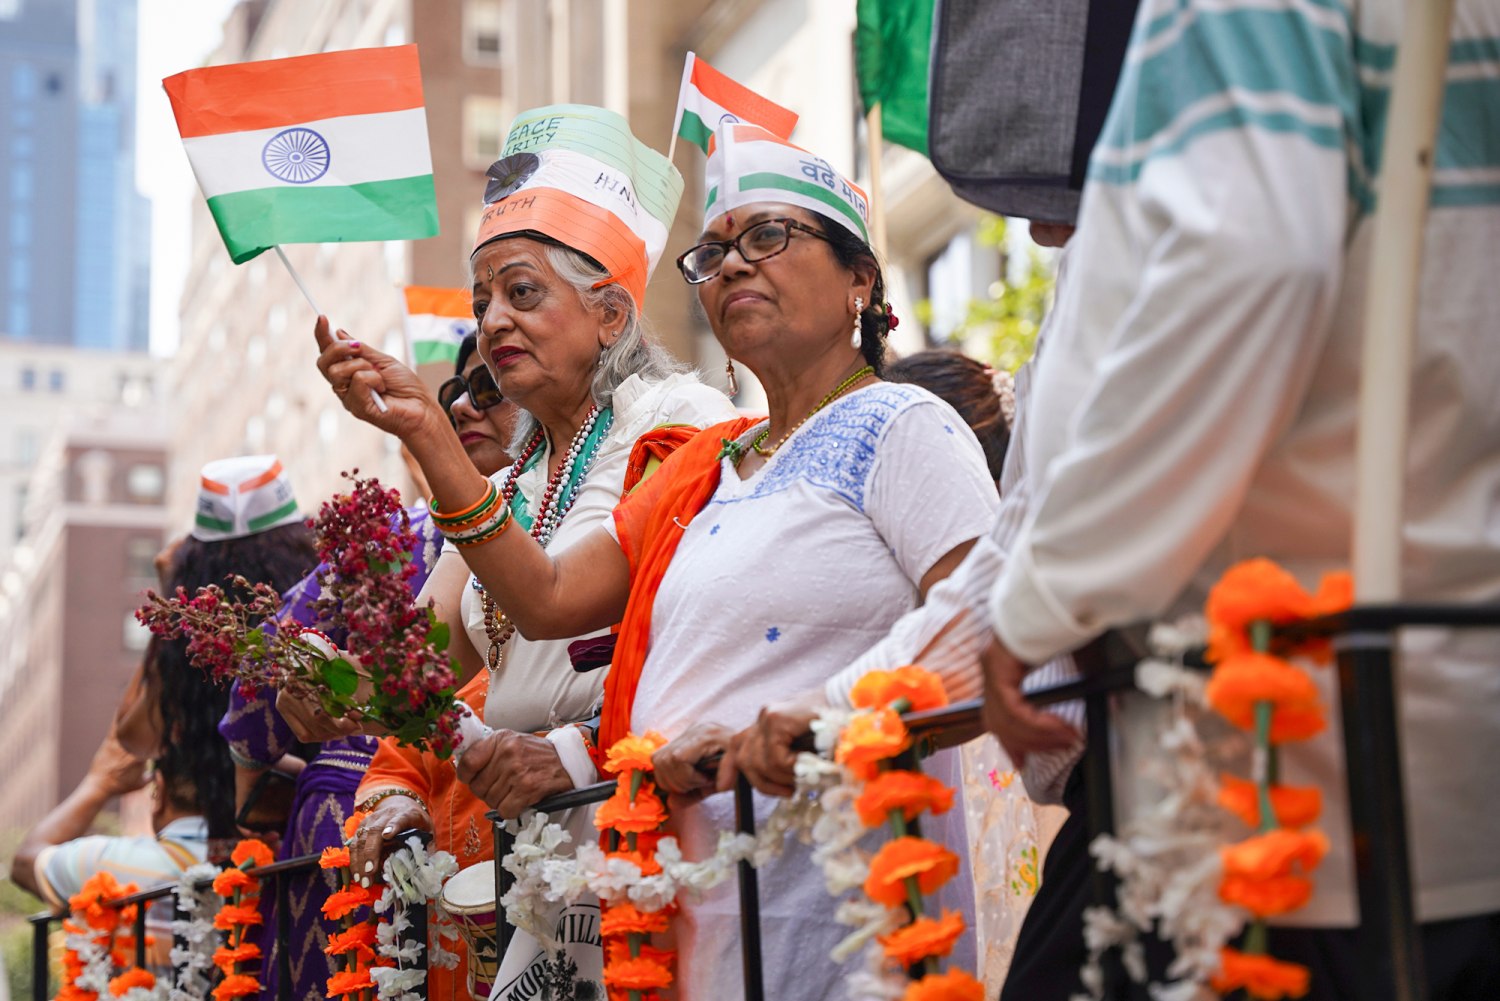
376,798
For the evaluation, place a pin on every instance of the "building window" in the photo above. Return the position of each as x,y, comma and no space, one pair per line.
134,636
144,482
20,182
482,32
18,317
140,558
23,81
26,446
484,132
28,378
57,380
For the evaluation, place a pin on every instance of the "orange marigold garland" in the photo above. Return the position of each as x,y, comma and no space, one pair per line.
352,949
99,940
631,822
1256,690
240,889
908,866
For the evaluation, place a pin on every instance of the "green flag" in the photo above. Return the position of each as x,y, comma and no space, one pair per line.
892,45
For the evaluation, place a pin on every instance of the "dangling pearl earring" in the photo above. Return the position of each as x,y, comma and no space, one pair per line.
734,384
858,338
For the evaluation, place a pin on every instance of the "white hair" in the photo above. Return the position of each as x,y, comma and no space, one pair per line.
635,352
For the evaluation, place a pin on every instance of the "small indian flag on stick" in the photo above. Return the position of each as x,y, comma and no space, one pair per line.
311,149
708,97
437,321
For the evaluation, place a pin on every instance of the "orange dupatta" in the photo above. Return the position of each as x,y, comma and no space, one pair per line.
650,523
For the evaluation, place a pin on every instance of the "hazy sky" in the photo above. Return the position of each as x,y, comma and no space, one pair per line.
174,36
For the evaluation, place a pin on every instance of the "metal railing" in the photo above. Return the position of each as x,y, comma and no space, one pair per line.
277,872
1364,640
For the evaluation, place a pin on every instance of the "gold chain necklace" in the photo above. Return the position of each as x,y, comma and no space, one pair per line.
838,391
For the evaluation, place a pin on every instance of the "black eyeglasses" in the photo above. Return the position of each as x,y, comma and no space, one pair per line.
479,385
765,239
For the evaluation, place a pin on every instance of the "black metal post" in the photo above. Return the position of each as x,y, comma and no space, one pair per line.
744,810
1389,941
283,938
504,842
40,968
418,914
1100,810
139,927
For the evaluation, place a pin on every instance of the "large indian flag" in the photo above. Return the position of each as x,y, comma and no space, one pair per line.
708,97
437,321
310,149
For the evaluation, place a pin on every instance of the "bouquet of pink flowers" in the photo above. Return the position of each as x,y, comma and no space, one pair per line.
394,669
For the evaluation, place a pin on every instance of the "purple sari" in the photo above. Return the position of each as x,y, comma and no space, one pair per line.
258,737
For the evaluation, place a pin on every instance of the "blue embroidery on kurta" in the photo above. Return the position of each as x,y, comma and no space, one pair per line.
838,450
714,530
773,634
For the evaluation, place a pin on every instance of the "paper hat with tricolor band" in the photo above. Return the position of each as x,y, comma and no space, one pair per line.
577,175
747,164
243,496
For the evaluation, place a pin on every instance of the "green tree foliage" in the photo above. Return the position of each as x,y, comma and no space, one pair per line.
1002,330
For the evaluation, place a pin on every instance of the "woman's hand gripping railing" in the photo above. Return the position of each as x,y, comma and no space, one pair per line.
277,871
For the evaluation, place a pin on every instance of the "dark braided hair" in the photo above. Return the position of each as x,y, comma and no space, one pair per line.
194,762
874,323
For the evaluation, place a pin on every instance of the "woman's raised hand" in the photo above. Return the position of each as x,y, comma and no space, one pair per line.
357,371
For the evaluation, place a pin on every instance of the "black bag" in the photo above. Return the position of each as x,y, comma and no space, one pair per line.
1017,95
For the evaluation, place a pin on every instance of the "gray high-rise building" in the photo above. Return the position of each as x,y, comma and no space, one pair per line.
75,238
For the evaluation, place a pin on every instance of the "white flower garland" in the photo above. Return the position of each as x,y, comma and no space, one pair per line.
413,876
194,960
1167,856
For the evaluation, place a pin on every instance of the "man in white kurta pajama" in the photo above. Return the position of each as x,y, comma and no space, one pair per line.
1196,405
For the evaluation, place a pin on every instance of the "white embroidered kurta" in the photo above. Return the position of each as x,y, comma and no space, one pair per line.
782,578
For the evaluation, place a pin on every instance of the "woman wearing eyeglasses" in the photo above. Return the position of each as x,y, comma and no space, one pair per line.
559,273
763,554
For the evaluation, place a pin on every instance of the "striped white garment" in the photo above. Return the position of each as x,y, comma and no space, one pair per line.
949,631
1199,400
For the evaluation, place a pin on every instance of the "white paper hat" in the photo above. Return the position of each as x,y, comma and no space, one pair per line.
747,164
242,496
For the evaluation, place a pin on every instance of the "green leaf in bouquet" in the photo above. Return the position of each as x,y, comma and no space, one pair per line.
438,635
413,731
340,677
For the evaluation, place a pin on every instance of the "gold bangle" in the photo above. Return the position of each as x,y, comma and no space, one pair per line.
376,798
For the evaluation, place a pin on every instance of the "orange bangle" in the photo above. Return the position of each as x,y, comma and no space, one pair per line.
473,513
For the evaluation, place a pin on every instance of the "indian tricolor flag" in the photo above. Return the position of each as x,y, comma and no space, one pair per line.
310,149
437,321
708,97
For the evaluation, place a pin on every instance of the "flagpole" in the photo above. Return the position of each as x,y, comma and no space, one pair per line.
876,139
687,76
1391,299
375,397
